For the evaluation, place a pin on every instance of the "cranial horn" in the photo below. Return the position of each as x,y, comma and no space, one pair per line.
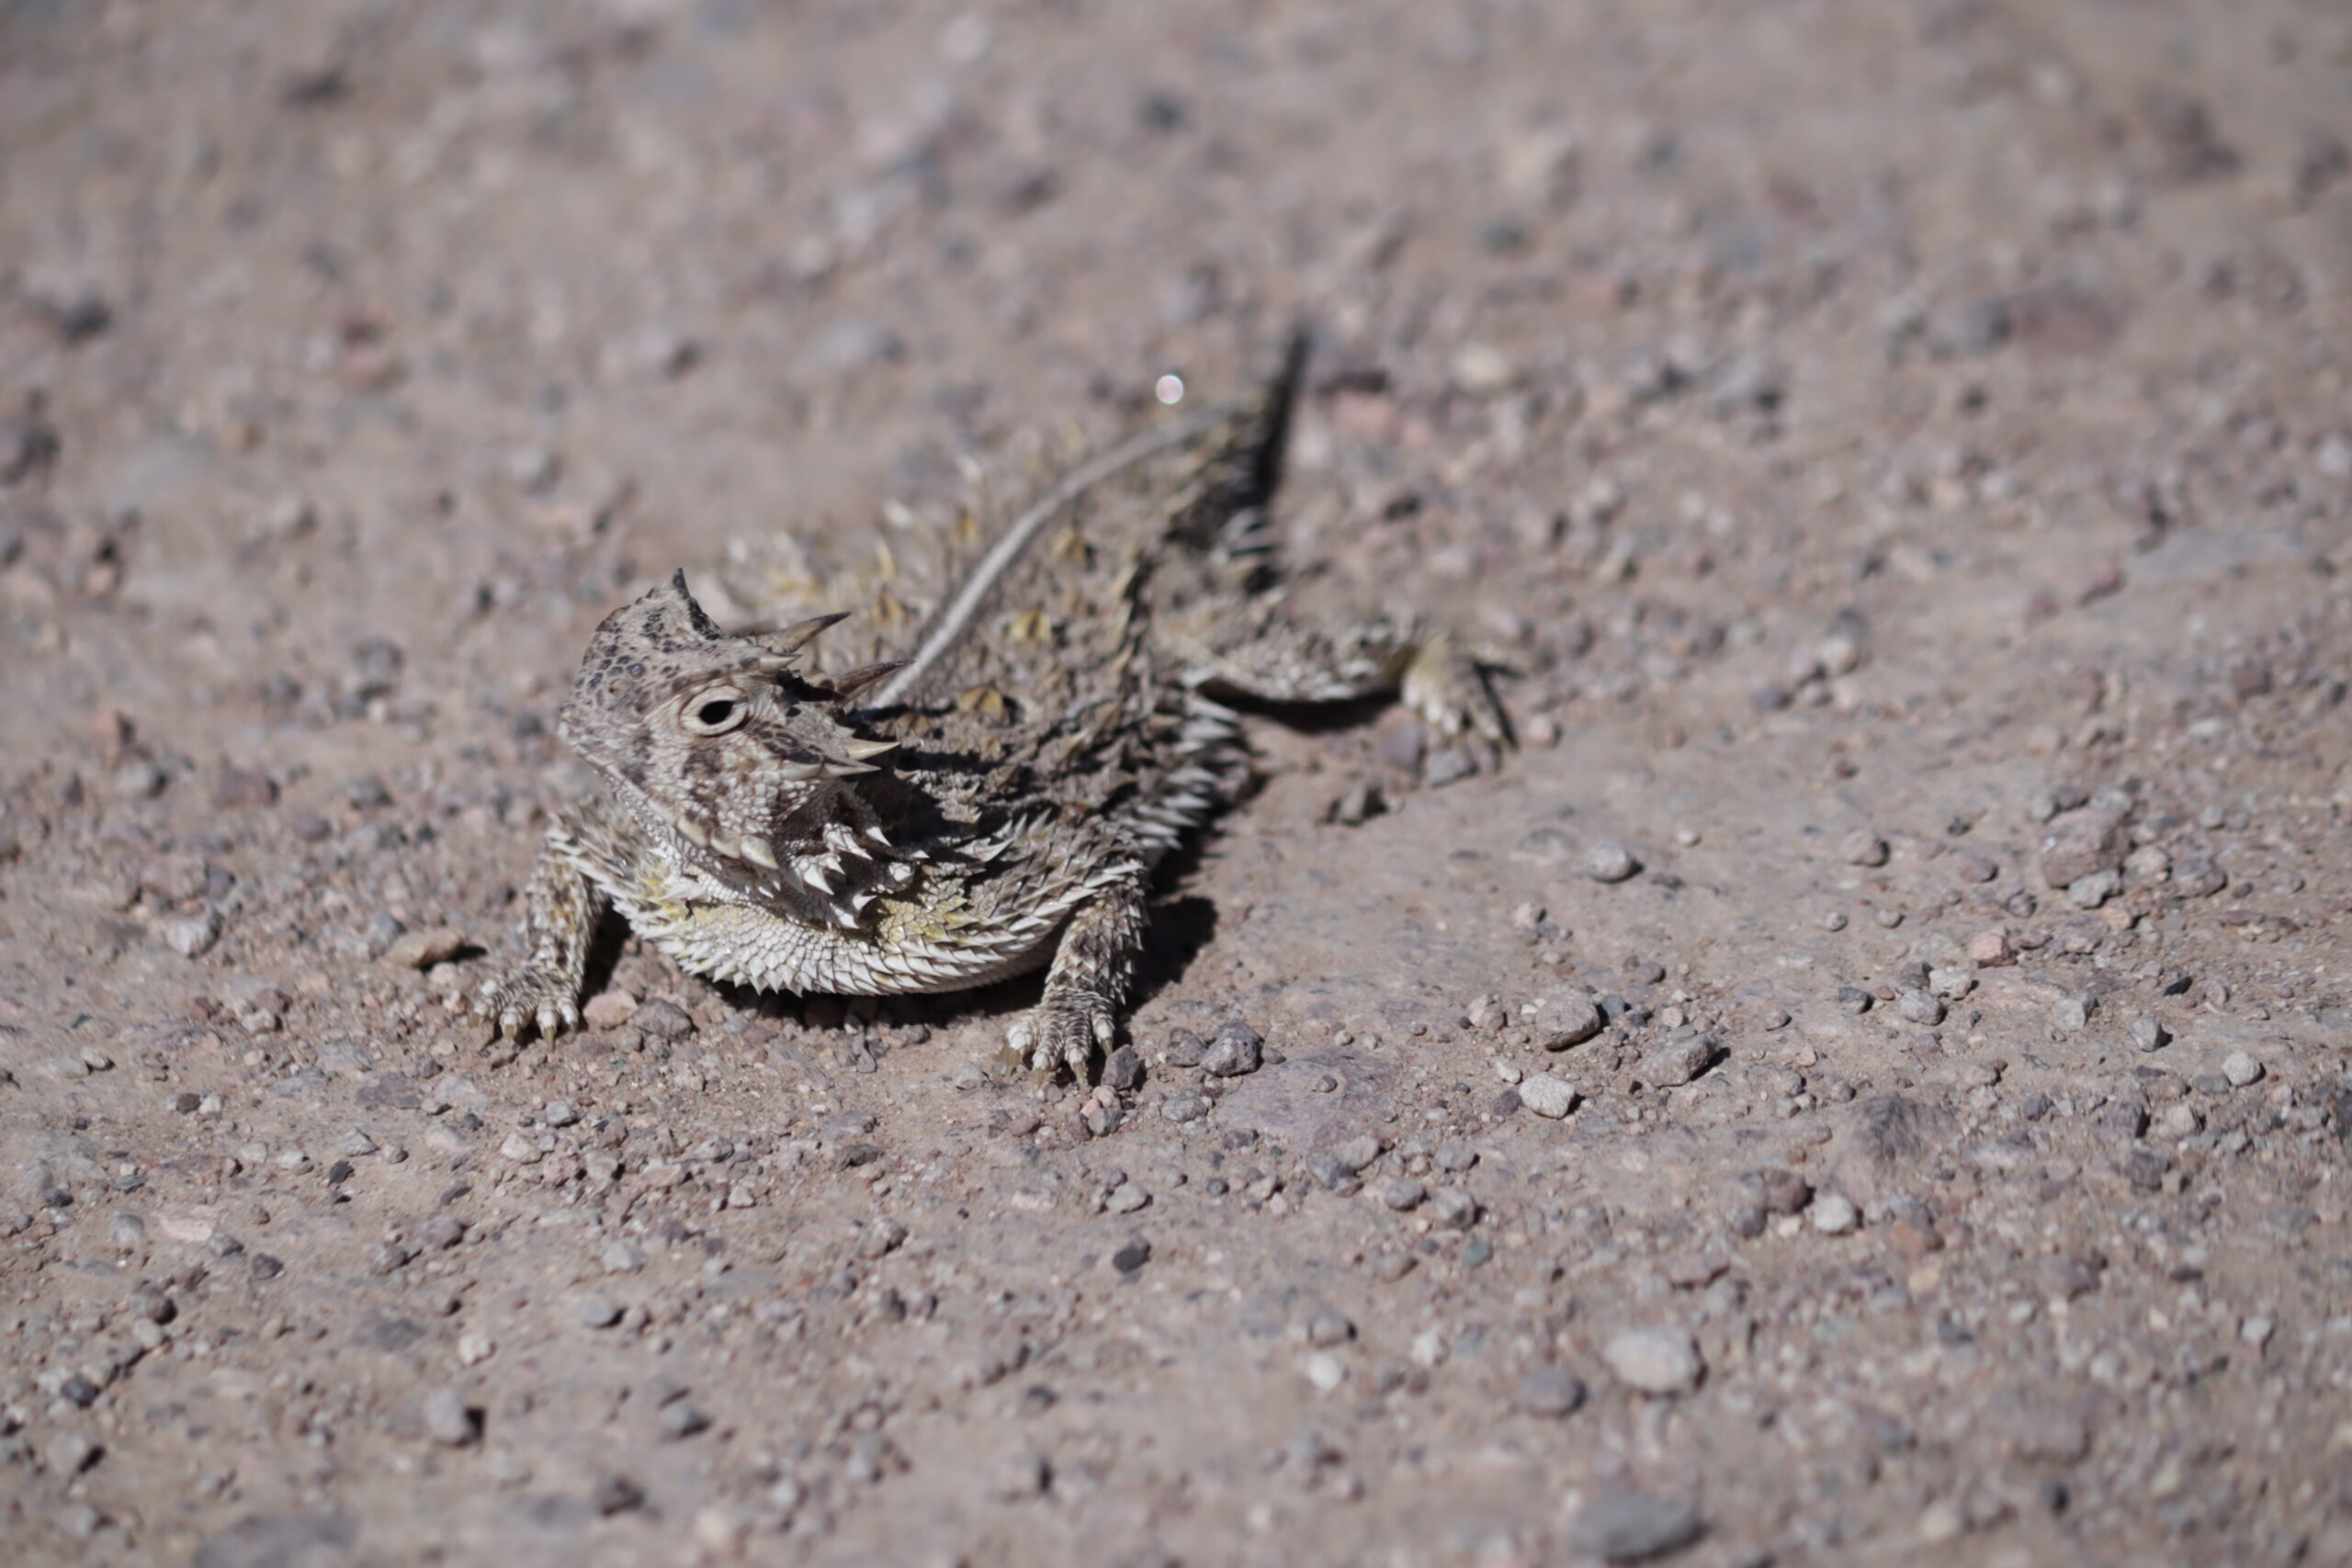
865,751
791,639
850,683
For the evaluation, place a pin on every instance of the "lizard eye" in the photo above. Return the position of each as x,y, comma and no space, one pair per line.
715,712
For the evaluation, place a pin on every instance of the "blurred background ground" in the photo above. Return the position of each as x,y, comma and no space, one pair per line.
1904,450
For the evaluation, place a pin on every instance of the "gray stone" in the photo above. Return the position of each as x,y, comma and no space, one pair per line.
1567,1019
2090,892
1921,1006
1862,847
1677,1062
663,1020
1632,1526
2241,1069
1834,1214
1553,1391
1549,1096
2082,844
448,1420
1237,1049
1662,1361
1610,861
190,936
1454,1208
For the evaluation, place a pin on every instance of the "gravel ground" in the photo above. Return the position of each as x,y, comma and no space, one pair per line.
1866,1083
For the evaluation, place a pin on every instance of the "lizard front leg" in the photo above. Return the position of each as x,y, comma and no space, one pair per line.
1087,985
563,907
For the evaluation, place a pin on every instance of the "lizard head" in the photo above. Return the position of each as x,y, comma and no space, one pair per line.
732,756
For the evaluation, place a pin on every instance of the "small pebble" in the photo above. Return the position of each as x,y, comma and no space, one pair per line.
607,1010
1921,1006
1632,1526
1236,1049
2241,1069
1553,1391
663,1020
1019,1476
447,1420
1403,1195
1654,1360
1454,1208
68,1454
423,950
190,936
1834,1215
679,1419
1677,1062
598,1312
1184,1107
1567,1021
1862,847
1610,861
2147,1034
2090,892
1549,1096
616,1495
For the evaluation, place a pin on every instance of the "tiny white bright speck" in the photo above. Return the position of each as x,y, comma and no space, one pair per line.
1169,390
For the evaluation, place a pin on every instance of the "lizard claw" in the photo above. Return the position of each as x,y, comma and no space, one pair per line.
1065,1030
528,995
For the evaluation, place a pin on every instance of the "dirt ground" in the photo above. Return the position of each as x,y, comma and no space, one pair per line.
1904,452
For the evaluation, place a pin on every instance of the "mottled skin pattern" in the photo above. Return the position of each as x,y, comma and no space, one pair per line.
993,804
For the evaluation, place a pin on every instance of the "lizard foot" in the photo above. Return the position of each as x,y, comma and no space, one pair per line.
530,994
1063,1031
1446,688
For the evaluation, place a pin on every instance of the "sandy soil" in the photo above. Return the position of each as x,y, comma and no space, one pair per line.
1904,449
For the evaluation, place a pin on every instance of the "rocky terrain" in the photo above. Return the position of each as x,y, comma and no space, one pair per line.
1866,1082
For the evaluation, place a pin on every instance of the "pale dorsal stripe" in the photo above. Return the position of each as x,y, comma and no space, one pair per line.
956,617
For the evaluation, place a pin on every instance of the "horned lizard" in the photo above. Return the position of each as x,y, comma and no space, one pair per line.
994,801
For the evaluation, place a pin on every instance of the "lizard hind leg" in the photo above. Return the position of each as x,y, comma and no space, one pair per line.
1276,659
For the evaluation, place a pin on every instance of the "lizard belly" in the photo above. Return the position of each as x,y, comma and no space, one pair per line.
909,949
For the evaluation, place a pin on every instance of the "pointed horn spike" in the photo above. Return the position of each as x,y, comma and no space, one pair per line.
788,640
846,770
866,750
878,836
757,851
850,683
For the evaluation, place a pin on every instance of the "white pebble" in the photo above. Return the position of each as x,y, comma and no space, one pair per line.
1548,1096
1835,1215
1654,1360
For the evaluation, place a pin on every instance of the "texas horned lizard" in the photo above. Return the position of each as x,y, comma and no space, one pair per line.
994,802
